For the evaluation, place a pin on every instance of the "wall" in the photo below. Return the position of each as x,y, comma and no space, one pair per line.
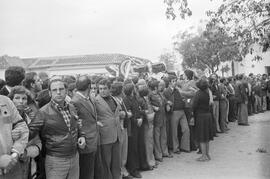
256,67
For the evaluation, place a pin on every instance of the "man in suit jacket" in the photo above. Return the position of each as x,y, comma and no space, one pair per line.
108,112
86,111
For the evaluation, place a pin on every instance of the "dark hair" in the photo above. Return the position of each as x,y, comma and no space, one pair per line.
105,82
189,74
71,86
2,83
14,75
21,90
116,88
128,89
83,83
239,76
43,97
222,79
153,84
202,84
166,80
171,77
69,79
57,80
29,79
143,91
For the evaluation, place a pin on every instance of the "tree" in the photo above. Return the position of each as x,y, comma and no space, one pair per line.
207,50
181,5
169,59
248,21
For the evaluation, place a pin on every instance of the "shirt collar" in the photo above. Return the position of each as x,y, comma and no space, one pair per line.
79,93
56,105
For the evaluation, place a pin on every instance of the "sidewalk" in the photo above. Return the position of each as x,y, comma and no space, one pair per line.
233,155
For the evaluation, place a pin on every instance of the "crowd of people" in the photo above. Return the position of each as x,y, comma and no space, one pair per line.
67,127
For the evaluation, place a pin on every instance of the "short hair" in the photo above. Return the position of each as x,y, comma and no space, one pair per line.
69,79
57,80
189,74
153,84
222,79
171,77
105,82
239,76
116,88
21,90
43,97
83,83
128,89
14,75
43,75
71,86
202,84
29,79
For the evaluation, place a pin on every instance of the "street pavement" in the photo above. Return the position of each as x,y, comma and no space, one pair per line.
234,155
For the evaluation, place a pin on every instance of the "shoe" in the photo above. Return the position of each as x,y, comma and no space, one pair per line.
215,135
177,152
220,132
136,174
127,177
168,156
199,152
241,124
183,150
159,159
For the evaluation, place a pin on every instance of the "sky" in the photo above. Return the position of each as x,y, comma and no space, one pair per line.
42,28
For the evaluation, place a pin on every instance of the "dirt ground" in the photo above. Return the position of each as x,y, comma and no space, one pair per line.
234,155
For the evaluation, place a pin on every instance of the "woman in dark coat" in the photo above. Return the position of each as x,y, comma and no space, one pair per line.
203,118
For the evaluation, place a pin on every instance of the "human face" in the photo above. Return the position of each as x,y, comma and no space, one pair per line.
161,86
104,91
38,83
58,91
20,100
173,83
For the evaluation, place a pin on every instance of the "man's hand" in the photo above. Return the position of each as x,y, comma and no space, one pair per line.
168,107
100,124
129,114
156,108
122,114
139,122
81,142
7,162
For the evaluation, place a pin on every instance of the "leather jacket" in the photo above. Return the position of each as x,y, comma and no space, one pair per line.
59,141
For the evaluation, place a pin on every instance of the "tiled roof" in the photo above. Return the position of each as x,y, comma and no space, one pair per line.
96,59
7,61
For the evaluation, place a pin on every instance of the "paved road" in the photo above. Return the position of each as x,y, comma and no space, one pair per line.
233,155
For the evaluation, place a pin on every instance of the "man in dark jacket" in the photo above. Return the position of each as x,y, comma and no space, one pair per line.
86,110
60,132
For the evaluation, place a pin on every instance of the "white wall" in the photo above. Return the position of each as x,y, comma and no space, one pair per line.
2,74
256,67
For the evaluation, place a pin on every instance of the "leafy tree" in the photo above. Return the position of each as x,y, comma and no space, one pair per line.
207,50
181,5
248,21
169,59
